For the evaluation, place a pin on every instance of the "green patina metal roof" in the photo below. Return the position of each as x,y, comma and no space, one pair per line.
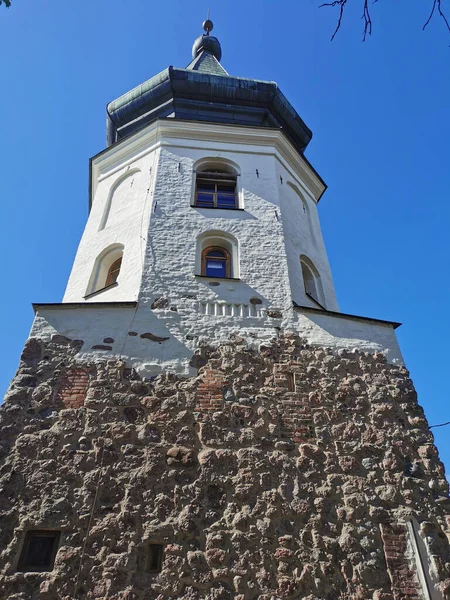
204,91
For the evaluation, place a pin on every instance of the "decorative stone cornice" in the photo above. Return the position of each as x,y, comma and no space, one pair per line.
172,132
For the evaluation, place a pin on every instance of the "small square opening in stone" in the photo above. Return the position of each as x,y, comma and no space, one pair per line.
155,557
39,551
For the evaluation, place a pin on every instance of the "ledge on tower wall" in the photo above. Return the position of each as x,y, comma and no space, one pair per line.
165,335
285,473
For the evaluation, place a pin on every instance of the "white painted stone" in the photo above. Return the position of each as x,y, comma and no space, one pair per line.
186,329
120,215
143,191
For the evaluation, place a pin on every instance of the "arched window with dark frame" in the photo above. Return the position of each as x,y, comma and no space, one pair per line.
106,269
215,188
113,272
311,281
216,262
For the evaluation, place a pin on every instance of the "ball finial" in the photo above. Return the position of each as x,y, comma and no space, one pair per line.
208,26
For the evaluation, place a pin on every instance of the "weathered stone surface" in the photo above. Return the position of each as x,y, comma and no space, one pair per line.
275,314
160,303
255,491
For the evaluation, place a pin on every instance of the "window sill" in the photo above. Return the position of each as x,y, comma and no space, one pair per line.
108,287
216,207
218,278
315,301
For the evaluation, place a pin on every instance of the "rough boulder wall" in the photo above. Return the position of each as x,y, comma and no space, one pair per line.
288,473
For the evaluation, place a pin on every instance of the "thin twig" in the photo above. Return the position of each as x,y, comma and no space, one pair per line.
437,4
341,4
366,16
367,19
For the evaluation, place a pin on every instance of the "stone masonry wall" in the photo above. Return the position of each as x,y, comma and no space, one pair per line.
284,473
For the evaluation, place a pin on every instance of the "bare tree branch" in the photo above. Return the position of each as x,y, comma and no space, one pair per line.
366,16
367,19
437,4
341,4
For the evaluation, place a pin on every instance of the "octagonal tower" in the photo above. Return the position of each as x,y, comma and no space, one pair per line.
203,222
197,420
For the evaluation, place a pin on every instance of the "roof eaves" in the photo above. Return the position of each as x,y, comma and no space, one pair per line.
332,313
70,305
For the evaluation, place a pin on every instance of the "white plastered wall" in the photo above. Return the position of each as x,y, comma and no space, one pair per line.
119,216
303,236
175,228
147,187
153,218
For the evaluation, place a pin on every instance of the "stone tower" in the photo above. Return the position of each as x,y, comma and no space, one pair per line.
197,419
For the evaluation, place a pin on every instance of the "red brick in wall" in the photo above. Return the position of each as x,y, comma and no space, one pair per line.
295,408
73,387
403,575
210,391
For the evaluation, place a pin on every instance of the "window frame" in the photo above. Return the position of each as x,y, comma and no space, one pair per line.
205,253
26,567
103,264
110,279
216,177
316,295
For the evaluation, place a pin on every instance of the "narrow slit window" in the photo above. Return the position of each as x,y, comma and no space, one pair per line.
216,262
155,558
215,189
39,551
290,381
113,272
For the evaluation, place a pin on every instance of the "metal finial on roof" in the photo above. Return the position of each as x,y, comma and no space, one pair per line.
208,25
206,43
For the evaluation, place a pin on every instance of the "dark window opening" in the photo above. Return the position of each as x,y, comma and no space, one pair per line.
216,262
39,551
215,189
290,382
155,557
113,272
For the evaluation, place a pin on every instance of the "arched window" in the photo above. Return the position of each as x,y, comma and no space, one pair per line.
215,188
106,269
113,272
311,281
216,262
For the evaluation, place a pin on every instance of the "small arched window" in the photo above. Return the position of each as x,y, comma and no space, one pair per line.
113,272
311,281
215,188
106,269
216,262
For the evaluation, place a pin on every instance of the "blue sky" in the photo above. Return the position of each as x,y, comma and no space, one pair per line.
379,111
